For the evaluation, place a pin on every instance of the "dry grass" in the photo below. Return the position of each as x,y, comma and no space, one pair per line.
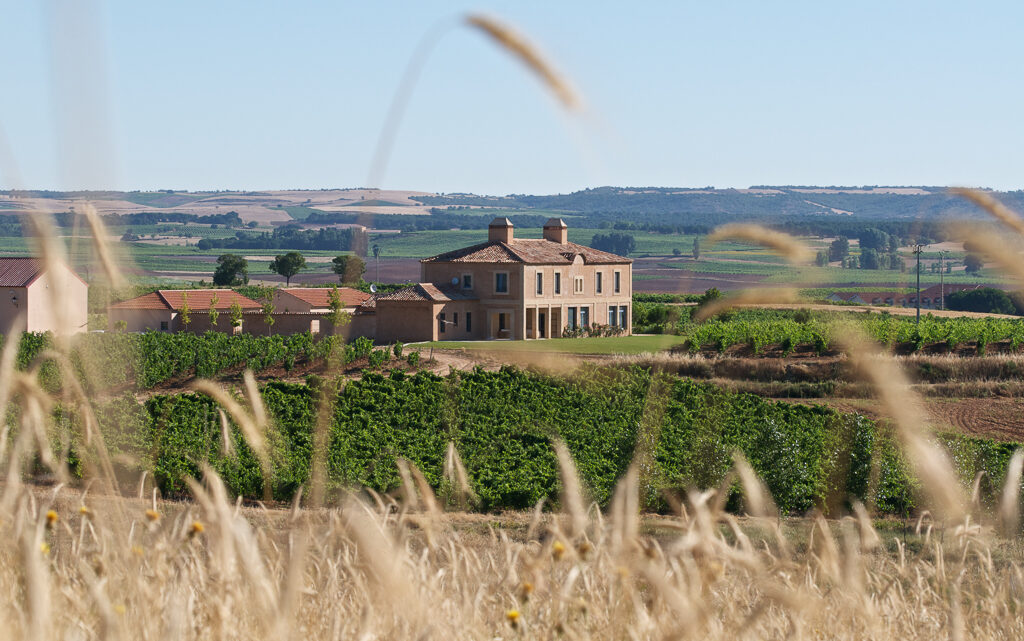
80,566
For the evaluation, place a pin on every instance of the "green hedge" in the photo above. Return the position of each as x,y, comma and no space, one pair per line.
503,424
112,360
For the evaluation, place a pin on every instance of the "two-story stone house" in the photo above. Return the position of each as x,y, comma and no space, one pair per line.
511,288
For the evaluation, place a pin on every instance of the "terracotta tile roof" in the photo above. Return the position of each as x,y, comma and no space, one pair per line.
427,292
532,251
491,252
19,272
320,296
146,301
197,299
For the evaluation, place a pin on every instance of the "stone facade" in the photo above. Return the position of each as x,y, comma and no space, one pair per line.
510,288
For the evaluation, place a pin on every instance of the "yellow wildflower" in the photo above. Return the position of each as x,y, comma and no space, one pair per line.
512,616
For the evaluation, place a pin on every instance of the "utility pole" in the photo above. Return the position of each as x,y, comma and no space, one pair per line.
942,286
918,248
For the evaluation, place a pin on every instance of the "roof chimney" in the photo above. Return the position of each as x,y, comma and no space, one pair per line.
500,231
556,231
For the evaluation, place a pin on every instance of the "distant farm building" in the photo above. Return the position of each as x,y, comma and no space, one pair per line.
295,310
931,298
299,309
160,311
48,301
511,288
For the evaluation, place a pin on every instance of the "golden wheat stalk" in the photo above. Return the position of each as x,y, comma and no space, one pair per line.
790,248
572,496
758,500
99,239
930,462
770,296
995,247
989,203
456,474
519,47
1009,504
253,429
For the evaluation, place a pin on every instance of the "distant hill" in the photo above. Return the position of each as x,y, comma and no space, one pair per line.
824,210
756,202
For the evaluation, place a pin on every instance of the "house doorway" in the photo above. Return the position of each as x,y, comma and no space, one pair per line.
501,325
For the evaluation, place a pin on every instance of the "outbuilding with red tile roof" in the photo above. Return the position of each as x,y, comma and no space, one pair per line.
161,311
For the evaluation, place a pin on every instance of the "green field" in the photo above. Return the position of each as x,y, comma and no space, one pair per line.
422,244
609,345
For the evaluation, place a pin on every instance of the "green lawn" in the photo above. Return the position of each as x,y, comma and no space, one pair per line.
610,345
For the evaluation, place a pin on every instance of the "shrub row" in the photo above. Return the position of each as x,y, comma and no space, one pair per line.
503,424
112,360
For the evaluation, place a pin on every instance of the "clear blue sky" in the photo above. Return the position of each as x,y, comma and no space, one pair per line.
268,95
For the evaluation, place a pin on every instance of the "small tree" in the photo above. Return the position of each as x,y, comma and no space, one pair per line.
696,247
232,270
676,251
186,311
869,259
268,311
839,249
288,265
214,312
350,269
973,263
235,314
338,317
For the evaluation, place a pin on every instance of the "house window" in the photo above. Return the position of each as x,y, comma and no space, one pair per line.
163,326
501,322
314,326
584,317
467,281
455,319
469,321
540,283
623,320
577,285
572,318
440,324
618,282
613,320
501,283
558,282
598,284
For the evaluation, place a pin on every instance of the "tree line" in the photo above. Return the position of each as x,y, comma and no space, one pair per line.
353,239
